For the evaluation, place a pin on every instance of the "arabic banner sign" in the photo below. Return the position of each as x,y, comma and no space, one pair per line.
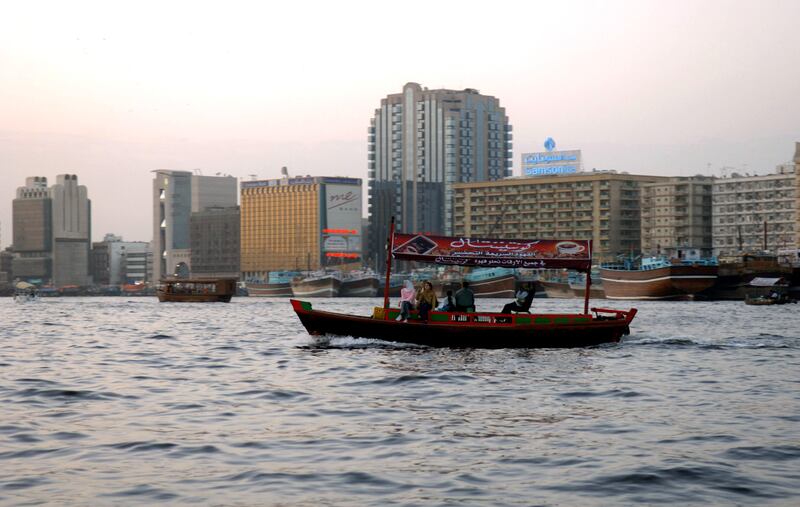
518,253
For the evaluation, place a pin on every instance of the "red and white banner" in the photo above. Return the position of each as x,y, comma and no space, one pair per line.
518,253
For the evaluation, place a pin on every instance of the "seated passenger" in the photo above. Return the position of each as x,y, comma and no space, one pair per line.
465,298
522,303
449,303
407,297
427,300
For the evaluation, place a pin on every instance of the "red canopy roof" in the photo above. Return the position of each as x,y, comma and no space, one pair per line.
516,253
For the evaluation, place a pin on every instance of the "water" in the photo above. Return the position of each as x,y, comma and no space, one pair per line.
109,401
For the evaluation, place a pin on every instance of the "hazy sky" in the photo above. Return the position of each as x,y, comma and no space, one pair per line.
110,92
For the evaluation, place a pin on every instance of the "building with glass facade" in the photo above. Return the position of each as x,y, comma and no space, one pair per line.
303,223
420,144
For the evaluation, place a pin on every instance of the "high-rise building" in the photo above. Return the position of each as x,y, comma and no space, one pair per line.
215,241
72,231
176,194
601,206
299,224
421,143
797,194
676,217
33,232
755,213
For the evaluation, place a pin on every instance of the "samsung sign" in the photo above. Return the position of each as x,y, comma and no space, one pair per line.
551,162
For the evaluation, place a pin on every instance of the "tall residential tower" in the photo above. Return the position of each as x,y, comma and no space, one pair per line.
420,143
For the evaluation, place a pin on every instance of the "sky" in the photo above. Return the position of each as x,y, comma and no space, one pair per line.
111,91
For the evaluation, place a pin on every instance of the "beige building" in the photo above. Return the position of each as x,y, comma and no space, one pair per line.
797,193
602,206
303,223
676,217
745,207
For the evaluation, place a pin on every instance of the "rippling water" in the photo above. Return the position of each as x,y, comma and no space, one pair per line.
109,401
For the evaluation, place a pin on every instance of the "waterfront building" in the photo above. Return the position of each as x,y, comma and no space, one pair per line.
421,143
176,194
118,262
72,229
215,242
6,258
755,213
797,195
603,206
32,225
676,217
303,223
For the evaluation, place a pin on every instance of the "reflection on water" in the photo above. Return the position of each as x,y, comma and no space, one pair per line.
127,401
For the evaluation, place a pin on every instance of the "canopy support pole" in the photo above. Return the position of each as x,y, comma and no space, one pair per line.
586,294
389,248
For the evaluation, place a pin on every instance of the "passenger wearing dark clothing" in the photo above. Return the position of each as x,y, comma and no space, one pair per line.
449,303
465,298
523,300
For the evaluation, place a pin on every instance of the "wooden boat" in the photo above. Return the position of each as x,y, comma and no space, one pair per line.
317,285
279,284
658,278
360,284
492,282
767,291
557,289
479,330
196,290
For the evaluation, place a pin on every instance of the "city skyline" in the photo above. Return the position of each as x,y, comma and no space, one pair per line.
640,87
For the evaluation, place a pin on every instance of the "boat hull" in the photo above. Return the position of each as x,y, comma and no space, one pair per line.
270,289
677,282
326,287
363,287
193,298
559,290
464,330
499,287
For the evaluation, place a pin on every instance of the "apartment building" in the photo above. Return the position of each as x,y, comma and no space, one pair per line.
601,206
755,213
676,217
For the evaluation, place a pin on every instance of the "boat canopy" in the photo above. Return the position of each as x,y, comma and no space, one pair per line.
517,253
25,286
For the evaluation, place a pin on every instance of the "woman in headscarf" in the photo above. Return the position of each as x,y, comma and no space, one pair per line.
407,298
427,300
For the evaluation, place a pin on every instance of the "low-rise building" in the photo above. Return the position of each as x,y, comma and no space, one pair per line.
603,206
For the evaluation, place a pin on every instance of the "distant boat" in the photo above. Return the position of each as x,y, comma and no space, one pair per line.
279,284
492,282
196,290
25,292
360,284
321,284
659,278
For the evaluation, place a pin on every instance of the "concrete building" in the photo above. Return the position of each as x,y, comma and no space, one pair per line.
6,258
33,232
118,262
601,206
797,194
72,231
676,217
176,194
751,209
299,224
215,242
421,143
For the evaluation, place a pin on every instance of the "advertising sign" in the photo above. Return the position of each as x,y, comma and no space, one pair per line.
521,253
551,162
342,232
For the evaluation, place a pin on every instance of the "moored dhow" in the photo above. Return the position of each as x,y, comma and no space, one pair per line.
319,285
279,284
492,282
360,284
658,278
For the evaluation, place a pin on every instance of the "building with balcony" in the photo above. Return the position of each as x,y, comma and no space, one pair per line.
176,194
601,206
303,223
755,213
118,262
676,217
420,144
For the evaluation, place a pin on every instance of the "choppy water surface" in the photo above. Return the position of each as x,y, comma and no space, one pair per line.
109,401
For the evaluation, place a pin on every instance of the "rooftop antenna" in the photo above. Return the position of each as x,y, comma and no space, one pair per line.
284,172
198,171
253,176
